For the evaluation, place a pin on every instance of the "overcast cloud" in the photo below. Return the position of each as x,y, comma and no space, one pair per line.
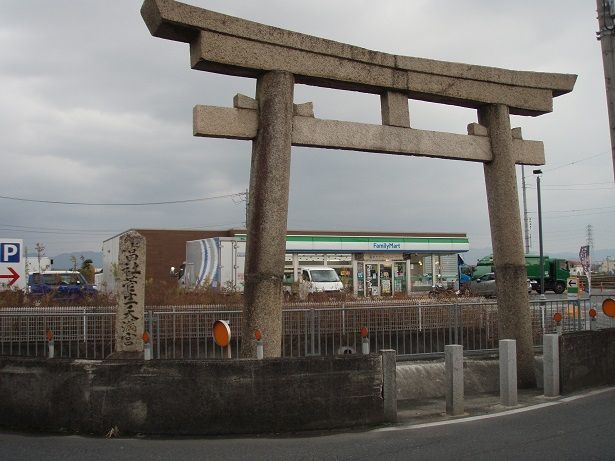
95,109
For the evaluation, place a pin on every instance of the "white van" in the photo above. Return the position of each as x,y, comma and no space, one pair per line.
312,279
321,278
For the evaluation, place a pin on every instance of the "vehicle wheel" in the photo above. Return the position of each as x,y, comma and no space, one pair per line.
559,288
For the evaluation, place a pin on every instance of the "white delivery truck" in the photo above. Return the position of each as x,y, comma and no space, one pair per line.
216,262
219,262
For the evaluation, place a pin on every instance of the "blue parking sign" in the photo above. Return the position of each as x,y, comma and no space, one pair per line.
10,252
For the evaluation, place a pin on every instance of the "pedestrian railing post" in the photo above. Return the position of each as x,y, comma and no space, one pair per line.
389,384
364,341
550,363
312,331
508,372
260,351
50,345
147,346
453,365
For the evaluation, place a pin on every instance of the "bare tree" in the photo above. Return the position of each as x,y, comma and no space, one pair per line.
40,252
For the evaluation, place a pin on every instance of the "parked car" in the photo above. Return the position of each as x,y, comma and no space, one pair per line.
313,280
62,285
485,285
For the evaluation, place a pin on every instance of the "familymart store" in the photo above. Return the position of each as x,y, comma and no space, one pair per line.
381,264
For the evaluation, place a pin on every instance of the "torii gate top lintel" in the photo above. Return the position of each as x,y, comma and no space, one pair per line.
235,46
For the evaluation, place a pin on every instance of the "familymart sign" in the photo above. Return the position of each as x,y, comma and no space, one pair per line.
352,244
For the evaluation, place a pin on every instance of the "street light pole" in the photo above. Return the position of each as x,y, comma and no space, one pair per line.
542,263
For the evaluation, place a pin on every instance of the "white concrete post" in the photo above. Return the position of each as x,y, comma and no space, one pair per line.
550,361
51,349
408,276
365,345
260,353
453,366
355,278
296,274
389,384
593,325
147,347
508,372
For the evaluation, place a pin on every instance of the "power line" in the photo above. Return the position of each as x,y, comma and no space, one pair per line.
576,161
169,202
571,189
570,216
549,189
65,232
578,184
93,234
59,229
577,210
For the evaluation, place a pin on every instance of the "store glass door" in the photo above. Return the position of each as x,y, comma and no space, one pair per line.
372,285
381,278
399,278
386,286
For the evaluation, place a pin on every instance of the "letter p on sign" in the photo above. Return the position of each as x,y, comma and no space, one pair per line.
9,252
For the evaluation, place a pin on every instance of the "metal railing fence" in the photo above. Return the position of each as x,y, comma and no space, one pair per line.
78,332
184,332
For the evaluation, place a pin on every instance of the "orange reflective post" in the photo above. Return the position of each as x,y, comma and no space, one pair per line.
364,341
222,335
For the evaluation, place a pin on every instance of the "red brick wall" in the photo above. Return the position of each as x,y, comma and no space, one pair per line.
166,248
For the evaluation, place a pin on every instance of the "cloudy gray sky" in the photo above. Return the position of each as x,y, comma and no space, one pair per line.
94,109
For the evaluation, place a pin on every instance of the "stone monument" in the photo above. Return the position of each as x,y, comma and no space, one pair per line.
130,316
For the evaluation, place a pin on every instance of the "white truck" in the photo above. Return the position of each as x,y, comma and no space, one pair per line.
219,262
216,262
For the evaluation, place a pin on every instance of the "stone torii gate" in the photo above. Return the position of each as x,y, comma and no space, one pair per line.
278,59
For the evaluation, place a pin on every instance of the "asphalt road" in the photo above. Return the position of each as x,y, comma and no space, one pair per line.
580,427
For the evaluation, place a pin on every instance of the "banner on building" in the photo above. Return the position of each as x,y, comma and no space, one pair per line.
585,258
586,262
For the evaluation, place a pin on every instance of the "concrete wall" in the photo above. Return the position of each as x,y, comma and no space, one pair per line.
423,380
191,397
586,359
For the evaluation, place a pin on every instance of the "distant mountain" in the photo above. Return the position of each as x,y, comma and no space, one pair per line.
63,261
597,255
472,256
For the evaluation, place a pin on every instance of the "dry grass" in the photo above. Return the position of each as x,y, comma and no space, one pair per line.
169,294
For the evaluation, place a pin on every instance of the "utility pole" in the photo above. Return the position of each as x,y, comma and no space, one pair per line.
542,264
605,34
590,240
526,227
247,206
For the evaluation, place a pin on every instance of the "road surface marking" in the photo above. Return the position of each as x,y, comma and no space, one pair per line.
496,415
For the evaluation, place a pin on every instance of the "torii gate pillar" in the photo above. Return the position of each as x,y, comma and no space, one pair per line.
268,214
514,318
